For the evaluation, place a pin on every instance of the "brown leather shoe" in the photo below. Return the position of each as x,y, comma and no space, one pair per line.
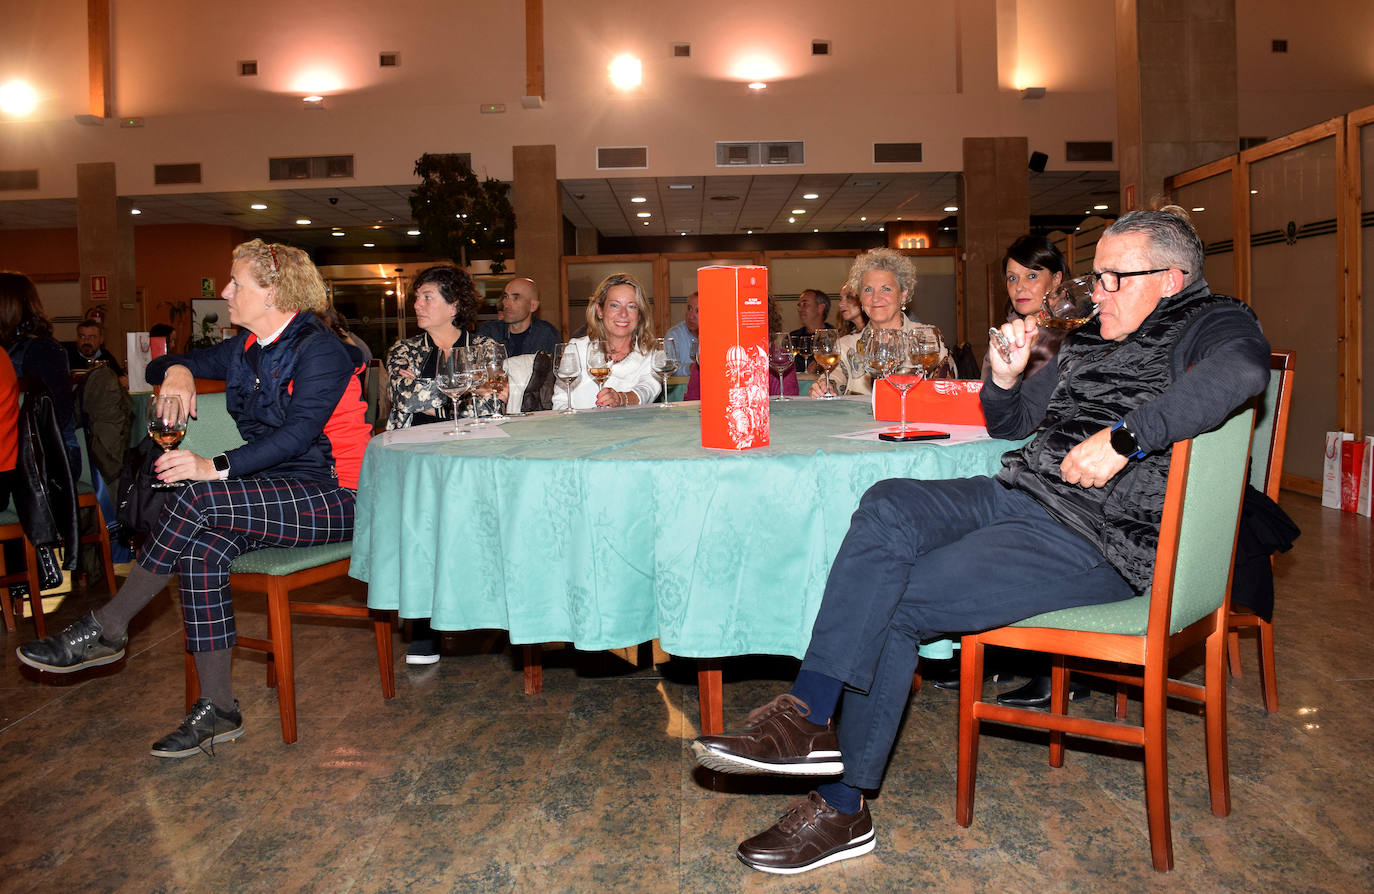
776,739
810,834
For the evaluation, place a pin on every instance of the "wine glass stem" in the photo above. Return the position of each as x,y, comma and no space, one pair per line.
901,401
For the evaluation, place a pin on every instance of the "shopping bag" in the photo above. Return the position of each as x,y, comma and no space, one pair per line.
1364,500
1350,474
1331,469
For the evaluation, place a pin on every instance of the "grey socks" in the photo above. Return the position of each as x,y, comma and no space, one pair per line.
138,590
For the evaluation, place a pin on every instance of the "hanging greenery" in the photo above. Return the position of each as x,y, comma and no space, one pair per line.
459,216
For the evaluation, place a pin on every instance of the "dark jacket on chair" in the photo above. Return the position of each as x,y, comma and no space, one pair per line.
45,494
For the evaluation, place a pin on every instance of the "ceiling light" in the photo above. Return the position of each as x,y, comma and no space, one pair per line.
863,218
134,211
258,206
369,245
337,233
1099,207
680,186
313,102
626,72
798,210
811,195
18,98
749,232
791,220
638,200
303,221
1199,208
412,232
950,209
899,218
1254,192
646,223
643,214
817,230
683,233
882,229
758,86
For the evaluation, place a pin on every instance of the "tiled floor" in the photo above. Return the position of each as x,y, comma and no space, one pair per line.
464,783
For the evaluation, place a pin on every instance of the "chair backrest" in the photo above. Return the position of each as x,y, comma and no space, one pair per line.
1271,425
1197,537
518,368
213,431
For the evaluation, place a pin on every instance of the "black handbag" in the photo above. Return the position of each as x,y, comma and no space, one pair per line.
139,504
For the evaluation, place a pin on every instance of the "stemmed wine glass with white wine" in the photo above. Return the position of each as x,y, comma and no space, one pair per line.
496,378
167,422
665,363
567,369
1067,307
826,352
453,375
599,363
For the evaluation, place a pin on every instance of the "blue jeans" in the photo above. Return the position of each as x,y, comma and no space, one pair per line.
924,559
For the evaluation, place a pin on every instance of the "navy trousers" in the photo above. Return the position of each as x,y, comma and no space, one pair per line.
924,559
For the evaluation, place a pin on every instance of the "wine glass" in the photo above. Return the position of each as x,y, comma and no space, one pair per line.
496,378
888,351
454,378
472,360
567,369
780,357
801,349
665,362
599,363
167,426
826,352
923,350
1067,307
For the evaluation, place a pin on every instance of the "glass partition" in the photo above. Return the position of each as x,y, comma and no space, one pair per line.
583,278
1209,202
1296,287
682,281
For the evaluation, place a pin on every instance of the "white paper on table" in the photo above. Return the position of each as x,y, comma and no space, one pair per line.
958,434
438,432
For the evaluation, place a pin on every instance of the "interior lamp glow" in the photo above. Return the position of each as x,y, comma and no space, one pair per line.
626,72
17,98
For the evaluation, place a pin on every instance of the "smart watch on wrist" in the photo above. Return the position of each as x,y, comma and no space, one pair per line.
1124,442
222,465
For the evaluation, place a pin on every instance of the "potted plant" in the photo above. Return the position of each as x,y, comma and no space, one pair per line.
459,216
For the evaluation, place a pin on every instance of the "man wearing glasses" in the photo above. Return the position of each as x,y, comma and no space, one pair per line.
1164,361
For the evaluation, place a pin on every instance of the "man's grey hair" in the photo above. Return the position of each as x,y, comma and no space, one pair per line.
1173,241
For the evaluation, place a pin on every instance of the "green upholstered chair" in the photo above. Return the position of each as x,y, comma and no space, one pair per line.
1187,604
276,572
1266,472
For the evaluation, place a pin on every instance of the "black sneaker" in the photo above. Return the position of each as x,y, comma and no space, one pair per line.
201,729
422,651
80,646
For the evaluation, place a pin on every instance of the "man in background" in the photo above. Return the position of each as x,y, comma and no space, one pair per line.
519,329
90,348
813,306
684,336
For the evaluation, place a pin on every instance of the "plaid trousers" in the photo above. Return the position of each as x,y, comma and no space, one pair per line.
210,523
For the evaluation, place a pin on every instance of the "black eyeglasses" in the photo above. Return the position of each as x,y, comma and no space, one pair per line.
1111,279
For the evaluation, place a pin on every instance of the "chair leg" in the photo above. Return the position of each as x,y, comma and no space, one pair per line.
1218,764
711,695
1121,701
970,692
40,625
534,668
386,662
1233,651
1157,763
1059,704
8,607
1269,682
279,633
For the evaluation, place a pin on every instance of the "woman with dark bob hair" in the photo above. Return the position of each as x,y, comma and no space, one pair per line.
1033,267
26,335
446,306
290,387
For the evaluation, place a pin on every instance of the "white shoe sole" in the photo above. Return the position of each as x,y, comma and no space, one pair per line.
422,659
817,763
857,848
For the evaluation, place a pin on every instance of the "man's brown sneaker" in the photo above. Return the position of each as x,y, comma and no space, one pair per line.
809,835
777,739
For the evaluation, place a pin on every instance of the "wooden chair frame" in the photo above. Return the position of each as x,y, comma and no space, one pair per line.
15,531
1150,652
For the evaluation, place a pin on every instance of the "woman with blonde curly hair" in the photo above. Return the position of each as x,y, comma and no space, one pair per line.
885,281
619,317
291,388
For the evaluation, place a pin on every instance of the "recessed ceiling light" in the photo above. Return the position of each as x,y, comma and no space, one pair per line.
749,232
951,208
644,214
863,218
817,230
756,86
337,233
1199,208
1254,192
258,206
1099,207
811,195
791,220
369,245
683,233
412,232
638,200
304,221
134,211
798,210
882,229
646,223
899,218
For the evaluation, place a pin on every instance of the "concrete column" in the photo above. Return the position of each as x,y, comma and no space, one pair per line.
1176,91
539,225
105,247
994,210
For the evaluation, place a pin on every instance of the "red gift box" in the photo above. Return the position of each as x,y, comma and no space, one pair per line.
733,354
951,401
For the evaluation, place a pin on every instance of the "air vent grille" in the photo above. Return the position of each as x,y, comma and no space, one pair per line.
729,155
308,167
1088,151
169,174
896,153
19,179
622,157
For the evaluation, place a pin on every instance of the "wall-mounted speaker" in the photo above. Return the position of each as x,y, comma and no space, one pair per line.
1037,162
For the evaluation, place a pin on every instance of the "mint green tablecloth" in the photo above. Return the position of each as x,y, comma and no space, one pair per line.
609,528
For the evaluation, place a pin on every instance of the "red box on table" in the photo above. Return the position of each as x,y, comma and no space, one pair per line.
732,303
951,401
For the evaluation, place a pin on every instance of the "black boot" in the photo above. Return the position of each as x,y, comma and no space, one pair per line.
943,673
1036,693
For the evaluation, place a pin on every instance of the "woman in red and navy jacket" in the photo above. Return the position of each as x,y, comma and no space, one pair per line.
291,388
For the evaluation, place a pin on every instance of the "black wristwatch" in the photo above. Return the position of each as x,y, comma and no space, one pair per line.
1124,442
222,464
